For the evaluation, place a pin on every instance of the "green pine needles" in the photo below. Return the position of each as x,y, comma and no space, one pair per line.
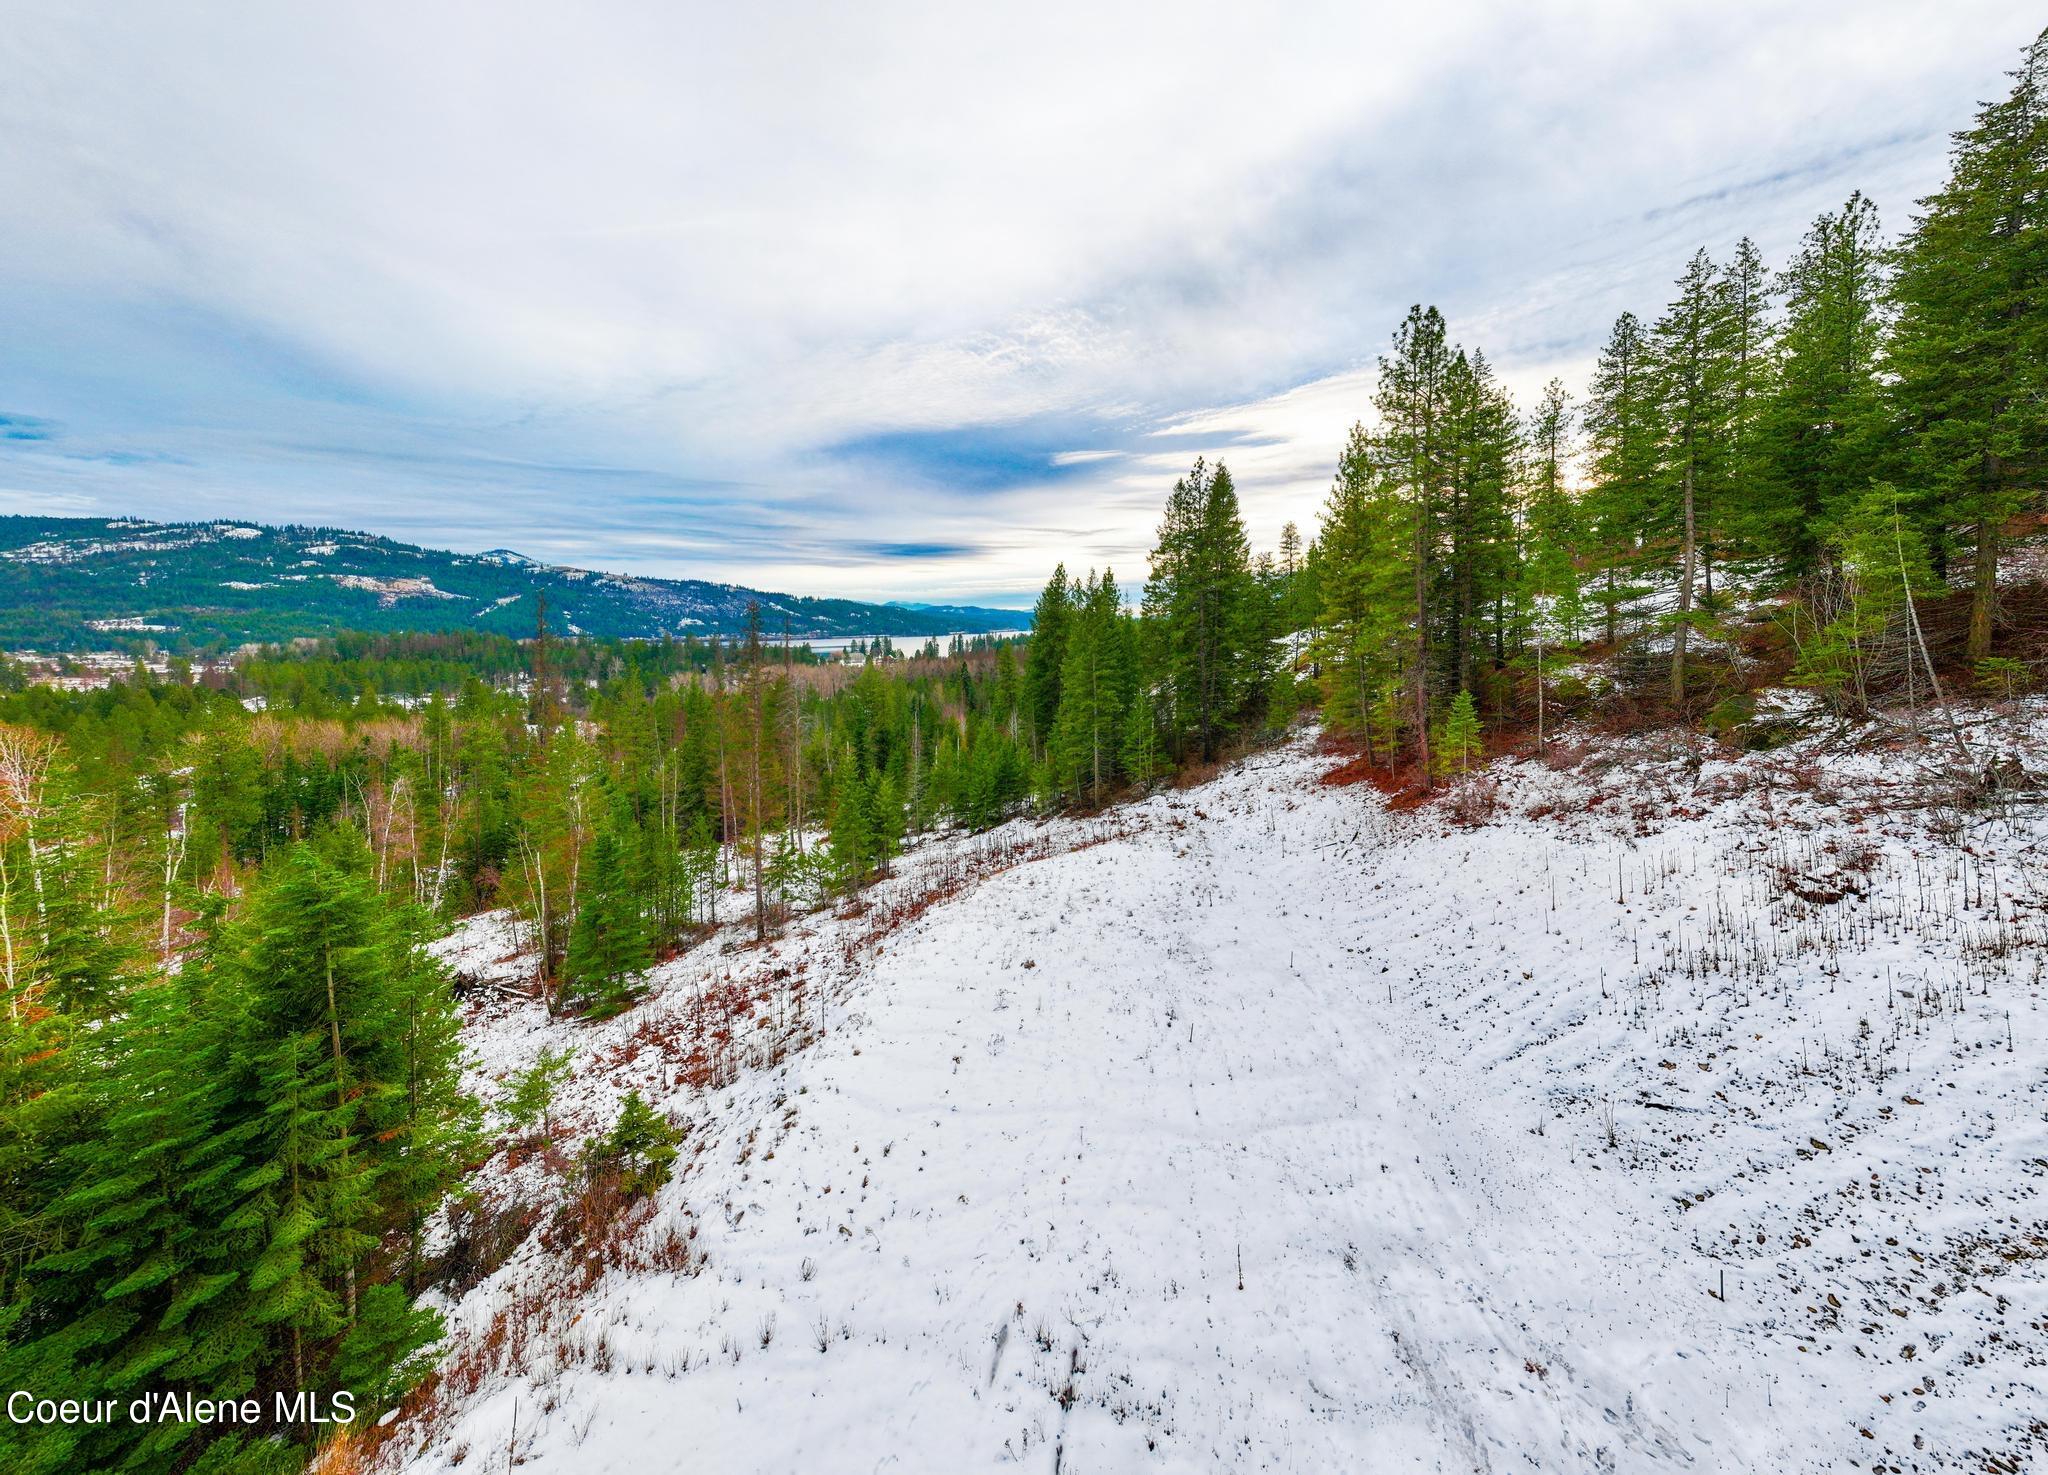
251,1148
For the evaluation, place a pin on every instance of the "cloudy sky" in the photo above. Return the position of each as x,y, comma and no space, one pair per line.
896,301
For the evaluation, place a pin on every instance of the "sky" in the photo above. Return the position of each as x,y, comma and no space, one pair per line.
882,301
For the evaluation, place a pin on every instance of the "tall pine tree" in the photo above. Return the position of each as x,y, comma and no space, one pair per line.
1971,348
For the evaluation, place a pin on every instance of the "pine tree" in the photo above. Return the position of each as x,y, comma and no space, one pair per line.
1093,688
1741,512
1824,420
1413,404
1623,438
1459,747
1045,656
1199,594
1881,564
1283,698
1688,362
1479,560
144,1283
640,1148
314,1200
1553,532
1971,347
531,1099
389,1350
1297,613
855,838
1367,586
347,1076
1138,745
608,947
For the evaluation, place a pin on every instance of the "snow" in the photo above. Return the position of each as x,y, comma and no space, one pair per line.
390,590
1259,1126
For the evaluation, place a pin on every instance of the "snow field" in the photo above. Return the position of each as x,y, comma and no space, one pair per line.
1255,1126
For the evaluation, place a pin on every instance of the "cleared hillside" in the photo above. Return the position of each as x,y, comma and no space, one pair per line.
1672,1111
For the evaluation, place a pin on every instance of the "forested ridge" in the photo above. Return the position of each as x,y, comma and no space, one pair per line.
78,583
232,1135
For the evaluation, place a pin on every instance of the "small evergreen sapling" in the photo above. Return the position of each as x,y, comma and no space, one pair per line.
389,1349
531,1100
640,1148
1458,746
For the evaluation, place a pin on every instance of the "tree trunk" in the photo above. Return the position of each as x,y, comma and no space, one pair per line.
1984,589
340,1104
756,800
1686,568
1422,634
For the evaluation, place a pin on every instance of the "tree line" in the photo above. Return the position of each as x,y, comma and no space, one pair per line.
1848,435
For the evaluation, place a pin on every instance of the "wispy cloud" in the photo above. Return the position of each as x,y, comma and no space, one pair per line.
26,427
1082,458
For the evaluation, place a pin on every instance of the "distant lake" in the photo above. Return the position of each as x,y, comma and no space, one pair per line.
904,644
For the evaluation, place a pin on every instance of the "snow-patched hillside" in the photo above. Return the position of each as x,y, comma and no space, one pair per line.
1257,1127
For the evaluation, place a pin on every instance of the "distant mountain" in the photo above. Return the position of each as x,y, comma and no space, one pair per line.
71,583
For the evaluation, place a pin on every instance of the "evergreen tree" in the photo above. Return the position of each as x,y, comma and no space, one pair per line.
1094,685
1550,512
1971,348
1413,403
1825,417
1045,656
640,1148
1622,433
1459,746
313,1200
1296,607
855,834
530,1101
1138,745
1881,565
389,1349
1739,521
144,1283
1200,595
608,947
1688,361
1283,697
265,1117
1480,570
1367,586
1553,535
347,1078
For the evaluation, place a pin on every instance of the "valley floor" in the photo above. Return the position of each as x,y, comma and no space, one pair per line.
1258,1127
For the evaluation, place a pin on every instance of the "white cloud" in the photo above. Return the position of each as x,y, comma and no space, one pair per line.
1083,458
696,244
37,502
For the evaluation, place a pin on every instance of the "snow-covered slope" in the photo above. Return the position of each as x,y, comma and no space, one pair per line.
1258,1127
